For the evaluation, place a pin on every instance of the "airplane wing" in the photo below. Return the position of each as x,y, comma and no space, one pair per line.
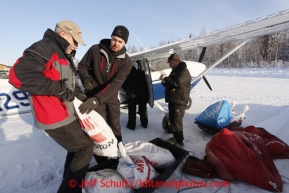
262,26
241,33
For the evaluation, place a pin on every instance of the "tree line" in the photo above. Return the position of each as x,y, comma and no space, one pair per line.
261,52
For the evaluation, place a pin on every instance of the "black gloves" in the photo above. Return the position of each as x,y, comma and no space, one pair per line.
79,94
82,97
66,94
89,83
89,105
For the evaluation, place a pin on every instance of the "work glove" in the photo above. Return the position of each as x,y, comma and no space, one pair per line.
66,94
79,94
82,97
89,105
89,83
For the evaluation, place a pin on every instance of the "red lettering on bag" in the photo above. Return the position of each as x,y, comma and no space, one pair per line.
139,164
98,138
149,168
87,124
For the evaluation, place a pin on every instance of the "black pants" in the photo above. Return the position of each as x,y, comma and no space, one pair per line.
79,153
176,114
111,114
142,110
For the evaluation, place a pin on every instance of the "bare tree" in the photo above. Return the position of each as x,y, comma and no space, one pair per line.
263,51
132,49
142,48
203,31
162,43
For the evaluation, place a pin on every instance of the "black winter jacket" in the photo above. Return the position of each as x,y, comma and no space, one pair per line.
109,70
177,85
135,84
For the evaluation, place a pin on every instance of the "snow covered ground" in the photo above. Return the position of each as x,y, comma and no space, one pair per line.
32,162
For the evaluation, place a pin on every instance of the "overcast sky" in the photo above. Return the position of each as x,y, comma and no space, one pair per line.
150,21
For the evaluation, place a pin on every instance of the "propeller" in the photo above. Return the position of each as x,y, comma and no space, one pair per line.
200,60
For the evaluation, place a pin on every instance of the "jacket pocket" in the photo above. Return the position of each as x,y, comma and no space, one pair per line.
49,109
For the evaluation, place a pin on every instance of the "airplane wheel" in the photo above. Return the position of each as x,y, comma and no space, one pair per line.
189,103
166,124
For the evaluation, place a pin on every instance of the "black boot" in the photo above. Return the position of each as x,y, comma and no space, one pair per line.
179,138
144,123
130,126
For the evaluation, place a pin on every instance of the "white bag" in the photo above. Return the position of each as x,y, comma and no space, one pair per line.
158,157
105,181
137,171
98,131
237,120
122,96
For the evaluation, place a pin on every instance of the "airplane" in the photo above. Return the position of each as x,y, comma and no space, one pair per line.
13,101
243,33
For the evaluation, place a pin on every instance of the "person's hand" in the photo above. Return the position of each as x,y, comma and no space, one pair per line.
89,83
66,95
89,105
162,76
81,96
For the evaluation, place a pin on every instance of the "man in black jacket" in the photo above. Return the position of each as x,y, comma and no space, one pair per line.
177,93
137,94
103,70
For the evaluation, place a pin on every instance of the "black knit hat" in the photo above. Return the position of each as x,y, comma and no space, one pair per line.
121,32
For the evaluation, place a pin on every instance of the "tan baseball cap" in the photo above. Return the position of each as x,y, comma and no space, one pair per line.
174,56
71,28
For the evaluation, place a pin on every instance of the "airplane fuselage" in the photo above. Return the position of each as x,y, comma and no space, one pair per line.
195,69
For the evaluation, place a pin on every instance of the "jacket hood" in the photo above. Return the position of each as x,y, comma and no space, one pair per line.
50,35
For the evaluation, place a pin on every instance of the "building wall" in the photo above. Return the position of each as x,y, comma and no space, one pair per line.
4,70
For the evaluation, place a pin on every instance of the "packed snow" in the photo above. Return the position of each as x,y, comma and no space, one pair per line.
32,162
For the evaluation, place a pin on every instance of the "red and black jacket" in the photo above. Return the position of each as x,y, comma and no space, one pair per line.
109,70
38,72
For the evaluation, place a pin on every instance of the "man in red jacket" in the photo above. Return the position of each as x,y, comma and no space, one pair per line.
47,72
